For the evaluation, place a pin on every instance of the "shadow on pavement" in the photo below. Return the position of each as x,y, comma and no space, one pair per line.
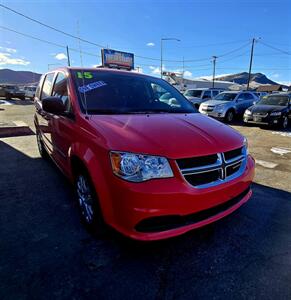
46,253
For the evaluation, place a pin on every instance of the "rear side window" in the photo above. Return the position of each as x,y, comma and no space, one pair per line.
207,94
47,86
60,90
214,93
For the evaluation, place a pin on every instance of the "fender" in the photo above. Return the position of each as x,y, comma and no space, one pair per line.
88,157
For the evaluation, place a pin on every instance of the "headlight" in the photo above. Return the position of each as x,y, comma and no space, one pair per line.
246,144
139,167
248,112
275,113
219,107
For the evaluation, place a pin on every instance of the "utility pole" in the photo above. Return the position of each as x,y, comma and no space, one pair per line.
68,57
183,75
251,62
214,66
161,67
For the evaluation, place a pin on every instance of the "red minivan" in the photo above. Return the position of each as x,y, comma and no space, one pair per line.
141,158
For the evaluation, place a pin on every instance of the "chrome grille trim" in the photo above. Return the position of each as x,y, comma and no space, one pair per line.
222,165
260,115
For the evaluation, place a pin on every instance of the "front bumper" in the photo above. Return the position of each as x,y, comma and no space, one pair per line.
268,120
213,113
135,205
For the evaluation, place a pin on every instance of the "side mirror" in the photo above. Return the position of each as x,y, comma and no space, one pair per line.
53,105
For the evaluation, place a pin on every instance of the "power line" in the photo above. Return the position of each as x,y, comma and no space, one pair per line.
47,42
275,48
102,46
235,50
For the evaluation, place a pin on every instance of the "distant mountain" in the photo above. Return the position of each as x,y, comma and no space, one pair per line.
18,77
242,78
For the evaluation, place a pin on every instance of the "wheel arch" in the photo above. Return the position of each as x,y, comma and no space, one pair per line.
83,158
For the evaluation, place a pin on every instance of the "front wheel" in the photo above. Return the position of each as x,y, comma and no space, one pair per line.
88,204
229,116
40,146
285,122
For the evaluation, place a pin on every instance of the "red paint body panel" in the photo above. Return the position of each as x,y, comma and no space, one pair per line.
174,136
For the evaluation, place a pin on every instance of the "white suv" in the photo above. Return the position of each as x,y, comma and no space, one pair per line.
197,96
30,92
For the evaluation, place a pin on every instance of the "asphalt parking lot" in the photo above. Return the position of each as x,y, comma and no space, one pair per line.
47,254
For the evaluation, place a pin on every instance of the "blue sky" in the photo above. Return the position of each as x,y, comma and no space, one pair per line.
205,28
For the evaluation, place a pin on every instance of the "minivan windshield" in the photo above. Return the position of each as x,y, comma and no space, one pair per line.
225,96
274,100
193,93
105,92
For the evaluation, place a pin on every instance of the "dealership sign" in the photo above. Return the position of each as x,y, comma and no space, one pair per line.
117,59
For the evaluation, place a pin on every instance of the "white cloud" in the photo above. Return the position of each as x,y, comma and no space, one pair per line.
8,50
188,74
6,59
276,75
61,56
155,70
150,44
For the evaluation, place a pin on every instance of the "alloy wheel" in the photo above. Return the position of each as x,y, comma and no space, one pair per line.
85,198
230,116
285,122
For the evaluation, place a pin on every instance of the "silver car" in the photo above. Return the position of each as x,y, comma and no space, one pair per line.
227,105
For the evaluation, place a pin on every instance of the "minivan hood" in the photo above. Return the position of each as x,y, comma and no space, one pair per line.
266,108
170,135
215,102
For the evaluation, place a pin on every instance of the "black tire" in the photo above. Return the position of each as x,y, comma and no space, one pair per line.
41,149
285,122
88,204
8,97
229,116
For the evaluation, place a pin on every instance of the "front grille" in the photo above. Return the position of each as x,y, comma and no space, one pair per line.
210,170
233,168
195,162
203,178
233,153
208,108
262,115
163,223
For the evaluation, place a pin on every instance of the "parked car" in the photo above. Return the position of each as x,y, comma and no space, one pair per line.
11,91
274,109
197,96
228,105
30,92
261,94
146,168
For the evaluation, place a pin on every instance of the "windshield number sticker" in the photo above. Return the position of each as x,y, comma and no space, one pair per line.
86,75
91,86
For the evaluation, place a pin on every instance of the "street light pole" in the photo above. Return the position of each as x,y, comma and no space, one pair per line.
165,39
